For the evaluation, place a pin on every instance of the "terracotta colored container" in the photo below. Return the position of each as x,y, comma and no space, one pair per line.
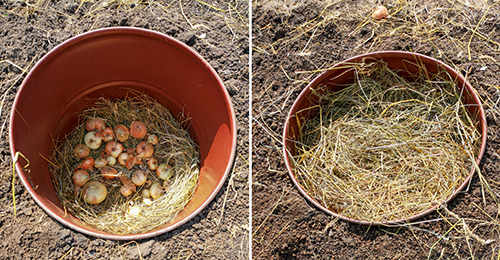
108,63
341,75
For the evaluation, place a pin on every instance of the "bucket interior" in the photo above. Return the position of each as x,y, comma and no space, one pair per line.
110,63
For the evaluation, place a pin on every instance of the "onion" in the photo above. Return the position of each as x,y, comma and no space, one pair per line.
152,139
92,140
164,171
156,190
80,177
152,164
380,12
121,133
107,134
109,172
95,124
113,148
126,190
138,129
87,164
111,160
146,193
94,192
122,159
100,162
81,151
131,161
139,177
144,150
128,187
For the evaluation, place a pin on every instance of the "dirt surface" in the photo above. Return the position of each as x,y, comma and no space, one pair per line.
293,41
218,31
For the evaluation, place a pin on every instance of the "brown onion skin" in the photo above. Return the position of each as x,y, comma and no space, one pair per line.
138,129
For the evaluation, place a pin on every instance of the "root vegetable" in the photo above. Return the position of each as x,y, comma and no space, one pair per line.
81,151
87,164
380,12
131,161
92,140
128,187
122,158
100,162
109,172
156,190
111,160
94,193
164,171
107,134
113,148
138,129
139,177
144,150
152,139
152,164
146,193
95,124
80,177
121,133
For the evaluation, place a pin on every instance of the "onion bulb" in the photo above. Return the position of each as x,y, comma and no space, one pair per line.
122,159
92,140
152,164
107,134
100,162
111,160
138,129
156,190
113,148
81,151
121,133
80,177
128,187
152,139
87,164
95,124
164,171
144,150
380,13
109,172
146,193
139,177
94,192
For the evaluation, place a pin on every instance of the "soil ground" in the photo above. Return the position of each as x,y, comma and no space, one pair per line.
216,30
292,42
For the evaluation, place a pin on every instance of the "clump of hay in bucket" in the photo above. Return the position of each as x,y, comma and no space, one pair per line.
386,148
133,214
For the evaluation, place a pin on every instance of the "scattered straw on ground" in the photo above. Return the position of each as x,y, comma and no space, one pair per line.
113,214
383,148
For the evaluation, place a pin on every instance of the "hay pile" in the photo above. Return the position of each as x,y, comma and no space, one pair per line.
385,148
133,214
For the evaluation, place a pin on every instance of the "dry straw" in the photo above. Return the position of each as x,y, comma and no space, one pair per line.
114,214
386,148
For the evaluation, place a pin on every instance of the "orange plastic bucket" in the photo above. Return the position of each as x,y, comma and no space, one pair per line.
109,63
341,75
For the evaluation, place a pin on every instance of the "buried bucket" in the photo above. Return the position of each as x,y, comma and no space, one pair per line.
112,63
337,137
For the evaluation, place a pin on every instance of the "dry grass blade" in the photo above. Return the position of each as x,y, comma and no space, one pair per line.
114,214
385,148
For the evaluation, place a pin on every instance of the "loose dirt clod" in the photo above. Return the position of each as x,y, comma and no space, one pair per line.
386,148
120,214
